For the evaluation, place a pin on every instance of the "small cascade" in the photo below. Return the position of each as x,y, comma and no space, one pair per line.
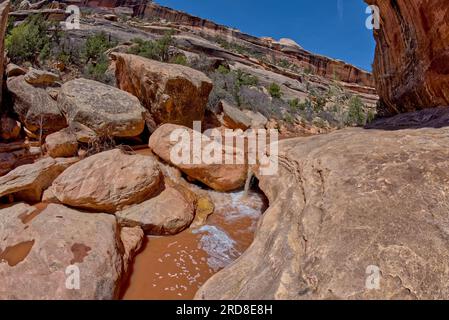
248,183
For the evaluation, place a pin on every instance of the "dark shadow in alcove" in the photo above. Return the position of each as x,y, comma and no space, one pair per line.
426,118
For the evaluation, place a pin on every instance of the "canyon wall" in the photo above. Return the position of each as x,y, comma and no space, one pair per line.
320,65
411,66
4,10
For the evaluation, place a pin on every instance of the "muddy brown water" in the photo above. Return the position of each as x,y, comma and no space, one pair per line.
174,267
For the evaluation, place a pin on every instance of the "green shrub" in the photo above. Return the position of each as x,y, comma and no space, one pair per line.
294,104
179,59
222,69
95,47
289,118
356,115
96,70
156,50
245,79
306,105
275,90
28,41
370,116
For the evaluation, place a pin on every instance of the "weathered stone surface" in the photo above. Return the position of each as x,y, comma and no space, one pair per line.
204,208
61,144
102,108
110,17
234,118
35,107
108,181
27,182
43,78
15,154
36,252
172,93
132,239
168,213
13,70
411,65
258,120
9,128
219,176
4,10
343,202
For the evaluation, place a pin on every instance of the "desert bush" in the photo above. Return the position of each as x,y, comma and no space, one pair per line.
222,69
179,59
29,40
156,50
95,46
370,116
294,104
94,57
356,114
245,79
275,90
96,70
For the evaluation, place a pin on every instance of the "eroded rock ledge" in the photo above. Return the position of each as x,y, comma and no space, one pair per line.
340,203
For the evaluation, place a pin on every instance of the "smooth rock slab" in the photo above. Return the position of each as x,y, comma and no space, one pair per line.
35,255
344,202
43,78
218,175
108,181
168,213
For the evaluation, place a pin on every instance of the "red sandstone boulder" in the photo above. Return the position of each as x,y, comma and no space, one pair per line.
168,213
61,144
217,175
172,93
36,109
103,109
27,182
108,181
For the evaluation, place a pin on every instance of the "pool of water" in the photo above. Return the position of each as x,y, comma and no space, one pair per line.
174,267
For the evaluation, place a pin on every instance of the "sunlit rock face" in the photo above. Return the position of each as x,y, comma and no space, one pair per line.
411,65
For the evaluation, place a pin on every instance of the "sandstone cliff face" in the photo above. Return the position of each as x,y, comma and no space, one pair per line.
411,66
4,10
320,65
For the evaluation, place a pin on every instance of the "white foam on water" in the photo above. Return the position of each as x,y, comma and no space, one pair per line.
218,245
237,205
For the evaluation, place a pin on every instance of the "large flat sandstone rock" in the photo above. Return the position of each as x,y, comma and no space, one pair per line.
108,181
341,204
38,255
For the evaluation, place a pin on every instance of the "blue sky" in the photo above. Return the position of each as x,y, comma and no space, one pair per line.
334,28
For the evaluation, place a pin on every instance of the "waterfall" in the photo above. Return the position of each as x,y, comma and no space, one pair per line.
248,182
